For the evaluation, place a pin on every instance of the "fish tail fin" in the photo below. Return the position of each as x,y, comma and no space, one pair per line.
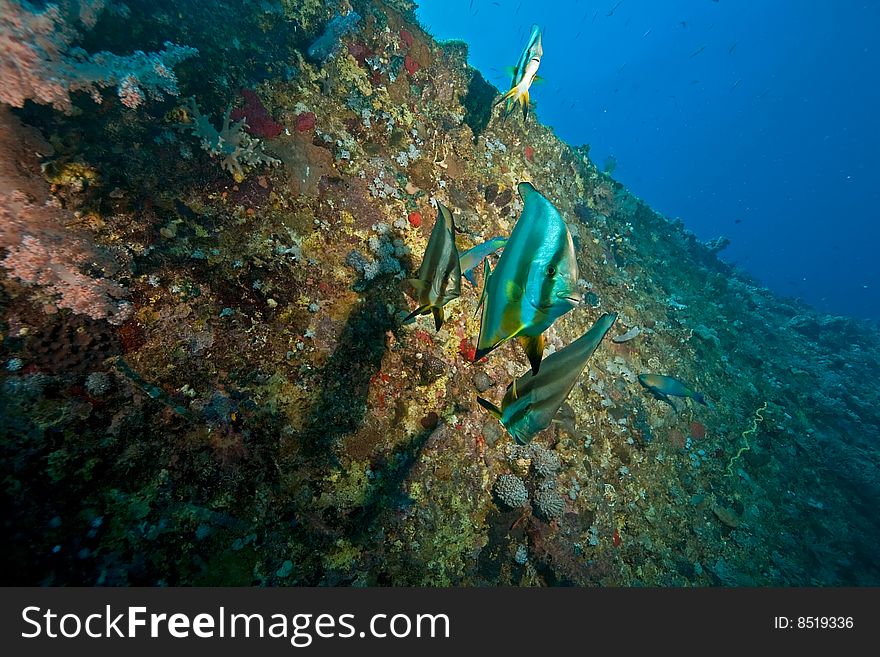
489,406
421,310
534,348
438,317
700,399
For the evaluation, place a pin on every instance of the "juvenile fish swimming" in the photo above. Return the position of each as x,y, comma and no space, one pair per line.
665,387
531,402
439,278
534,282
524,73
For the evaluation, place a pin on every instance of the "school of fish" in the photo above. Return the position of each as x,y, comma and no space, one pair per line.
533,283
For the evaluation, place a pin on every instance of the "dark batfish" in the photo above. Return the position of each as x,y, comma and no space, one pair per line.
531,402
439,279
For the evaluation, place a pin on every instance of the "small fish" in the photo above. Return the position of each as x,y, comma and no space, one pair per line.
614,8
534,282
732,48
664,387
439,278
697,52
472,258
646,33
524,74
531,402
735,84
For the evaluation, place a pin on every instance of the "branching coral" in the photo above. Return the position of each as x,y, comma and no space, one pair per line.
231,143
40,251
38,63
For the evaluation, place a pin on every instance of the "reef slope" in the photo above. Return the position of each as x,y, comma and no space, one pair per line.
255,413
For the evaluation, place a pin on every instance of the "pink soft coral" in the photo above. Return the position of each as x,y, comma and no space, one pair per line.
35,263
40,249
38,63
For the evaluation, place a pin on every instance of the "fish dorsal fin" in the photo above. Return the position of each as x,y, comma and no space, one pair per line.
448,220
526,189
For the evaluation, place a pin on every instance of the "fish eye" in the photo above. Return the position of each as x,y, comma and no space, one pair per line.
551,270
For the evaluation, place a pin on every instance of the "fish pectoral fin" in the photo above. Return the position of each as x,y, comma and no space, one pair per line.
534,348
512,291
421,310
438,317
489,406
538,80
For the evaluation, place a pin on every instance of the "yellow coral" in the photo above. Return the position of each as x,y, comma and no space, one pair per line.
70,174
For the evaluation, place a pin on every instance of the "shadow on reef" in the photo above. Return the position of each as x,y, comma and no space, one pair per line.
345,385
339,412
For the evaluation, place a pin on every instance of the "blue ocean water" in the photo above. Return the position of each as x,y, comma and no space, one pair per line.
753,120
